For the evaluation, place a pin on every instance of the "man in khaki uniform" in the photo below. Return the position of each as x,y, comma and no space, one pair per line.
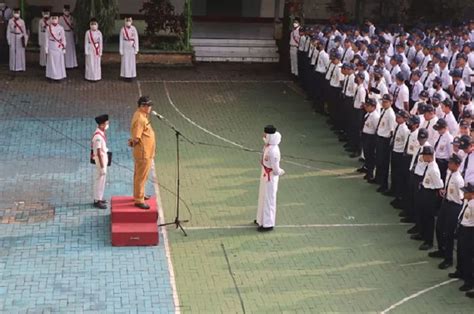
143,143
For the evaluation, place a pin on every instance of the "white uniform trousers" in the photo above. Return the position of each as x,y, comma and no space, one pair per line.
267,198
294,60
99,183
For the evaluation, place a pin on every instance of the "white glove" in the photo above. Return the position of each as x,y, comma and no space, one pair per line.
282,173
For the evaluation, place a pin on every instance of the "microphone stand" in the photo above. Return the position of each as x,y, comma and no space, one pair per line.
177,222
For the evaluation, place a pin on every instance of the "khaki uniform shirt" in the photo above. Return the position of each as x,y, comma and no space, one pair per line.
141,129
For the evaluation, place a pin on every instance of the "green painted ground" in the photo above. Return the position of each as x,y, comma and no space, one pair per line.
302,266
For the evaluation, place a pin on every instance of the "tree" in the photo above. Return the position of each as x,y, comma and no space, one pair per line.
105,11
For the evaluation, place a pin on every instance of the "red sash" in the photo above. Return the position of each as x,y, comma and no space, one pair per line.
101,135
128,37
96,45
266,170
67,23
18,26
60,43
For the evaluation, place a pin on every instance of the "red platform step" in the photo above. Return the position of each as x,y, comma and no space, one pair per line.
132,226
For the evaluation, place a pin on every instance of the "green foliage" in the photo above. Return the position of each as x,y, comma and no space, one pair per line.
165,29
105,11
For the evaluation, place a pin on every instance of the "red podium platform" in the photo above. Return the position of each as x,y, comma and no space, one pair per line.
132,226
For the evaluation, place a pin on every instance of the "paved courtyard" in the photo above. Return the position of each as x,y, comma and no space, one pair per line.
338,246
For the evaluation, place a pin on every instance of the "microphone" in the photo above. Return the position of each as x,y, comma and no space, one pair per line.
156,114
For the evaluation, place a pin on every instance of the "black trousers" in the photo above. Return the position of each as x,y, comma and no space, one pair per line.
355,125
318,91
413,198
333,104
346,115
382,160
427,210
396,173
443,167
312,84
456,112
368,146
406,160
305,72
301,61
465,253
445,227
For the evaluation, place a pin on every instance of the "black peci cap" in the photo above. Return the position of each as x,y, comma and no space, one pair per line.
269,129
102,118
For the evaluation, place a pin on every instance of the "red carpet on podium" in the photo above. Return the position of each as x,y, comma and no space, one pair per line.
132,226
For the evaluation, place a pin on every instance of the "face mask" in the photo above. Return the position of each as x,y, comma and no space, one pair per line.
66,12
106,126
295,25
16,15
46,15
94,27
128,24
55,22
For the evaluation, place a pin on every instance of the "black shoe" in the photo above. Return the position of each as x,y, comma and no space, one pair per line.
362,170
426,246
470,294
416,237
255,222
350,150
403,214
346,145
436,254
103,201
413,230
354,155
445,264
100,205
142,206
382,189
263,229
389,193
456,274
368,177
466,287
372,180
361,159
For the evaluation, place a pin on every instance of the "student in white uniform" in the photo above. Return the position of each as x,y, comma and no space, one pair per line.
294,43
93,48
129,47
67,22
443,146
451,205
398,141
100,158
370,122
42,27
271,172
446,107
55,48
17,38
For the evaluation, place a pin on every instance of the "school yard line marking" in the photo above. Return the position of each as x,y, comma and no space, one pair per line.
404,300
299,226
215,81
414,264
164,231
167,92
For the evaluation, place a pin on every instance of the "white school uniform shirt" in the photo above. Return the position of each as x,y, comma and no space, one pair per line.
459,88
470,59
440,92
99,142
432,133
336,76
295,38
469,174
424,62
314,57
347,55
414,110
349,86
401,94
387,76
446,78
323,62
416,90
307,44
452,59
412,143
400,137
411,53
454,183
467,75
359,96
382,87
302,42
453,125
444,149
467,218
420,165
371,119
387,123
311,51
432,177
427,79
394,71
